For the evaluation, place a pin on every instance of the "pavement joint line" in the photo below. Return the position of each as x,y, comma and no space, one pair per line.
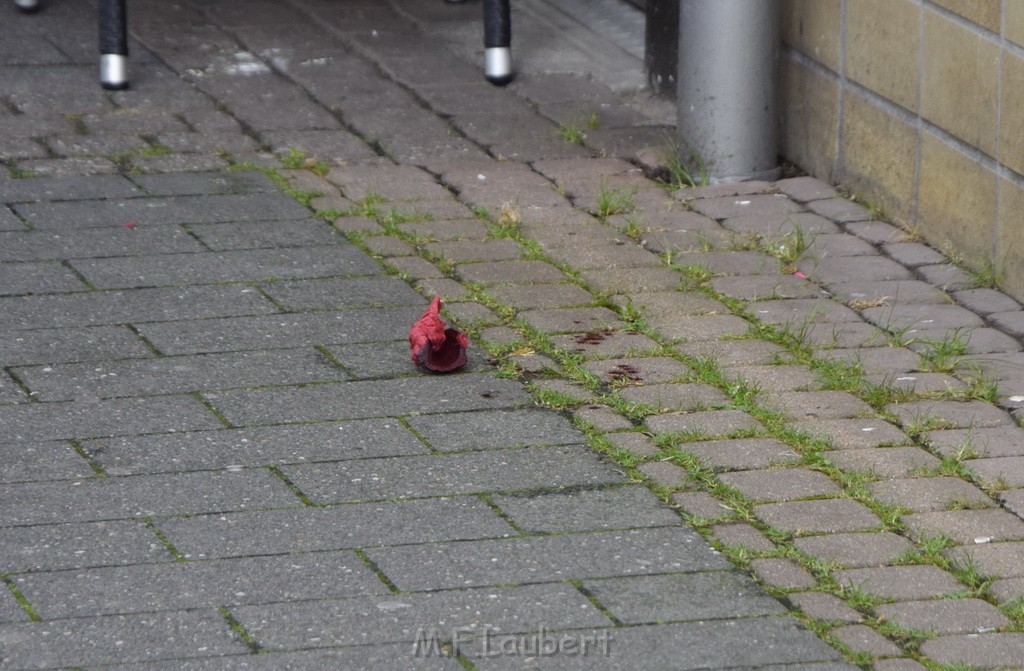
66,264
96,467
145,341
372,565
20,384
199,396
306,501
30,611
239,630
151,524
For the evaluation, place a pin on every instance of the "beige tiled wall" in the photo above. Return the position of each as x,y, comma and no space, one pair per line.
918,107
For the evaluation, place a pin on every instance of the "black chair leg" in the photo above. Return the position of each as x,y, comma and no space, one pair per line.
497,42
27,6
113,44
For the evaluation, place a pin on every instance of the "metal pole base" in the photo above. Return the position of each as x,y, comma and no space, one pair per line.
114,72
27,6
498,65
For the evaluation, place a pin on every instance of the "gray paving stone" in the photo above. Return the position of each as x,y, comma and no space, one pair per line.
98,418
343,293
1004,560
703,423
638,370
853,434
741,453
140,496
805,405
630,441
669,397
913,254
744,645
700,505
898,664
119,307
168,375
987,651
841,210
797,311
902,583
985,301
761,287
10,609
338,527
27,462
889,462
9,222
967,526
780,484
867,292
825,607
605,344
827,516
374,360
573,320
233,266
378,619
703,327
856,550
178,586
734,206
862,638
94,243
204,183
944,617
950,414
776,378
544,559
380,656
735,352
875,360
53,547
663,473
494,429
67,188
742,535
115,639
541,296
511,272
681,597
775,226
262,446
917,318
1008,589
948,277
157,211
282,330
451,474
632,280
586,510
369,398
68,345
782,573
37,278
256,234
929,494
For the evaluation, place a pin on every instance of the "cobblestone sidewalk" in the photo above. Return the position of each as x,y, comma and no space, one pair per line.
779,433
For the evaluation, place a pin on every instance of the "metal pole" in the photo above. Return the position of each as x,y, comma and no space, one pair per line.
497,42
726,86
113,44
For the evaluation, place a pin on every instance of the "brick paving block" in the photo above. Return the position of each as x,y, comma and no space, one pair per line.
903,664
948,277
875,360
1011,323
863,293
448,229
387,246
168,375
338,293
27,462
301,530
664,473
626,507
967,526
70,344
463,251
760,287
562,387
700,504
776,226
901,583
1004,560
913,254
803,405
264,446
929,494
986,341
572,320
705,423
862,638
741,453
494,429
668,397
735,352
52,547
853,434
67,167
734,206
955,414
541,296
1013,499
850,268
520,560
121,638
638,370
500,335
844,335
179,586
233,265
798,311
1000,469
742,535
9,222
451,474
204,183
702,327
94,242
825,607
605,256
780,484
635,443
990,651
732,262
533,363
346,224
447,289
922,317
67,188
922,384
287,233
889,462
1007,590
415,267
985,301
604,418
383,618
688,596
668,303
838,244
37,278
140,496
776,378
944,616
10,609
856,550
782,573
825,516
603,344
632,280
840,210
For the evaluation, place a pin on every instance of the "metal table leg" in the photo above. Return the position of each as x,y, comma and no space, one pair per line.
113,44
497,42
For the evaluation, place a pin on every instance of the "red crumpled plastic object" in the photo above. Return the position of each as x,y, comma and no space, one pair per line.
435,345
